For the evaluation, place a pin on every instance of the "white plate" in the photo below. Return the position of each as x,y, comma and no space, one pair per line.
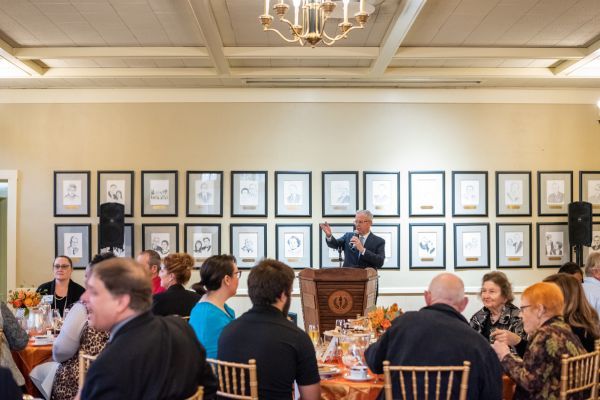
330,372
352,378
43,342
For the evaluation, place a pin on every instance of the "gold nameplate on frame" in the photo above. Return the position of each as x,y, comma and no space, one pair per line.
292,207
427,259
555,207
72,207
75,259
340,207
469,207
379,207
595,205
426,207
248,207
335,260
159,207
472,259
248,259
555,258
513,258
295,259
201,258
513,207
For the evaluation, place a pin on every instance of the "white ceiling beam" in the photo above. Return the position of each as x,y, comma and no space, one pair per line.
129,72
7,52
456,53
470,72
591,53
38,53
310,72
301,52
403,21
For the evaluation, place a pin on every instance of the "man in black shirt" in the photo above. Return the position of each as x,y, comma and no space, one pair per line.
283,352
439,335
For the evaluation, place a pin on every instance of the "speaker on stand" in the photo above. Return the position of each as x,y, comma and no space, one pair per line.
580,228
112,226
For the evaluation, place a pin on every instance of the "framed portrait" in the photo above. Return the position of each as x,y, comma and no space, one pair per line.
248,243
162,238
595,246
293,197
589,189
159,193
426,193
555,192
202,241
75,241
331,258
128,249
340,193
472,245
381,193
469,194
204,194
427,246
553,247
513,193
294,245
513,245
116,187
391,234
248,193
71,193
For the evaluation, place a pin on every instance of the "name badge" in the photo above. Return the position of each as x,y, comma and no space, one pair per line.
47,299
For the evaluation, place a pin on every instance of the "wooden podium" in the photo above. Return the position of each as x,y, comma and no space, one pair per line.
336,293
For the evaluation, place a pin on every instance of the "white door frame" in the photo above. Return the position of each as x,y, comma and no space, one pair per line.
12,176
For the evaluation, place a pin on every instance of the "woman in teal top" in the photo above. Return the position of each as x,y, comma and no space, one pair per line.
219,279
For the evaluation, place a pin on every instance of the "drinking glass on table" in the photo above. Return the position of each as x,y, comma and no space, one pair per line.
57,321
339,325
313,333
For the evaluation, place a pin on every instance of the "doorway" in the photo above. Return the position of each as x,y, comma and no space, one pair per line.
8,231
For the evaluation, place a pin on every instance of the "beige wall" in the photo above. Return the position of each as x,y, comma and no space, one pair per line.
37,139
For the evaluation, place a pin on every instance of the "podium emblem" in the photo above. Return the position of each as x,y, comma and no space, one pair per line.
340,302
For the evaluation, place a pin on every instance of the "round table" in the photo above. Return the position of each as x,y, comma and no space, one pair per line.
28,358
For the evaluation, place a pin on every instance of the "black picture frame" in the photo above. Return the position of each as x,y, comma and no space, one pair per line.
464,262
129,194
60,230
442,194
304,206
499,254
234,232
411,261
370,198
544,210
584,195
262,202
212,229
471,210
329,209
129,227
557,261
160,210
504,210
306,261
148,228
62,206
195,209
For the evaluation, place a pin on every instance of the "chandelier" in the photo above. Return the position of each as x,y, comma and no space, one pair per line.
314,15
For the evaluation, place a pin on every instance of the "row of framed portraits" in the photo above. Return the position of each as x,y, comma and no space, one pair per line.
427,243
293,193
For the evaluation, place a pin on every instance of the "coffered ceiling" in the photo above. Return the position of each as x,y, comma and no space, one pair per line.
220,43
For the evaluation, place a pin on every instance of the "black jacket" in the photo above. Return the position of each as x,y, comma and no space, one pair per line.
176,300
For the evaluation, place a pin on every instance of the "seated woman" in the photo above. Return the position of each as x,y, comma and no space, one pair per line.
578,312
16,339
572,268
219,279
75,335
537,374
174,273
65,292
498,315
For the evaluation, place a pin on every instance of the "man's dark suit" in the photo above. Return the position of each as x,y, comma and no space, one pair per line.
374,256
150,357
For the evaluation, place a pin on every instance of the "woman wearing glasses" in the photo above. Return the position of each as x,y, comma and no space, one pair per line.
219,279
175,272
64,291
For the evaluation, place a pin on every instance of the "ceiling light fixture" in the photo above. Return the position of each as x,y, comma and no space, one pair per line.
314,15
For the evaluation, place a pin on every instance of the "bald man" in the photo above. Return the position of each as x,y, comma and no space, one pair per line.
438,334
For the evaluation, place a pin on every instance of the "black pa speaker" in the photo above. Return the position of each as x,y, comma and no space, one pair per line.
112,225
580,223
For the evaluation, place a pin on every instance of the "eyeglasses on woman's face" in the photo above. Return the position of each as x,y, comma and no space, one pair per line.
61,266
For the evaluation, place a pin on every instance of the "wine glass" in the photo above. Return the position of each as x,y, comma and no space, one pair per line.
339,325
57,321
313,333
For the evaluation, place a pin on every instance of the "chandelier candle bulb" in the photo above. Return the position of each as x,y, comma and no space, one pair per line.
362,6
346,11
266,7
296,4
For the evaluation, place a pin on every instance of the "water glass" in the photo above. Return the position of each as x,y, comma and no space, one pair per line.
339,325
57,321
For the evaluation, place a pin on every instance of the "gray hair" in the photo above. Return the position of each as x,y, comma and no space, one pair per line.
367,213
592,263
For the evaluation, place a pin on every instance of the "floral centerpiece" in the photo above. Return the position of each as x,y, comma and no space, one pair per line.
24,298
381,317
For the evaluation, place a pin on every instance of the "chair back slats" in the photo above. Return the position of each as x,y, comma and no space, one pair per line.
85,360
199,395
233,379
579,374
423,378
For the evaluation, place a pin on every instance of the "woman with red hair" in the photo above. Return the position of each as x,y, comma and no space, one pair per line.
537,374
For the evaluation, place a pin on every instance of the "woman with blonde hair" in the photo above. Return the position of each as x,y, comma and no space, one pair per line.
537,373
578,312
175,271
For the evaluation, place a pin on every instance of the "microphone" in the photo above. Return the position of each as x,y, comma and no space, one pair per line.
354,234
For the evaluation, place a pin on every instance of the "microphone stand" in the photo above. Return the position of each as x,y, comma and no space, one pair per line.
340,259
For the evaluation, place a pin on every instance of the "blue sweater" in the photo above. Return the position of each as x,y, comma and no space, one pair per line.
208,322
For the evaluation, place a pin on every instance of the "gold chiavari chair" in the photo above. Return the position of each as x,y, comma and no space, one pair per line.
198,395
234,377
579,374
85,360
441,375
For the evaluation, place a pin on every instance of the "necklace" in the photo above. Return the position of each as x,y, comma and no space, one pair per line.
57,298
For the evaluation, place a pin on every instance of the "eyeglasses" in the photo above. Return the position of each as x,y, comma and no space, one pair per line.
364,221
238,274
62,266
524,307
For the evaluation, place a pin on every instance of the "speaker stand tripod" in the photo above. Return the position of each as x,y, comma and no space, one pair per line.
578,254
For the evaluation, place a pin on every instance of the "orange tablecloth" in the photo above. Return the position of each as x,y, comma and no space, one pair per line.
338,388
29,358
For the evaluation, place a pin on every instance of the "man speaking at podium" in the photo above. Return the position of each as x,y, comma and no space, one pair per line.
362,249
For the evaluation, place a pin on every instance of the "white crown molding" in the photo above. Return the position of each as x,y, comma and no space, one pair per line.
301,95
